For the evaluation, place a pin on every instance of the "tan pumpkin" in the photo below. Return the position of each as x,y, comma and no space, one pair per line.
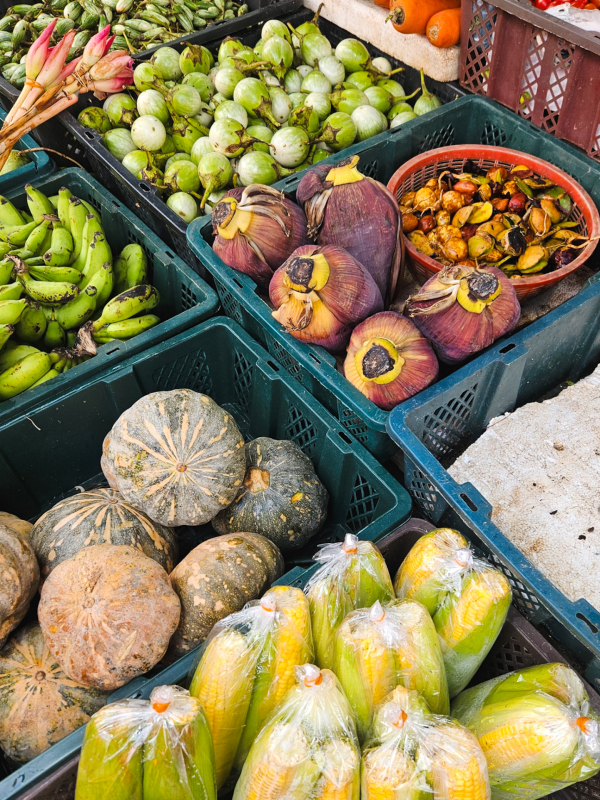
177,456
19,525
19,579
99,516
39,704
217,578
107,615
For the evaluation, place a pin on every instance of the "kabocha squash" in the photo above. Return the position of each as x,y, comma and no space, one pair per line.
281,498
217,578
39,704
99,516
19,578
177,456
107,615
19,525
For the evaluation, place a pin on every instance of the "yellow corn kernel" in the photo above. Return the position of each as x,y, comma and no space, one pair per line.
507,745
292,646
388,774
339,762
478,596
273,775
458,768
425,559
377,667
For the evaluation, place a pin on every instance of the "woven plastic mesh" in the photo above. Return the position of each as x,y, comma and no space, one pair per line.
230,305
243,372
420,489
443,137
370,169
188,297
301,430
475,70
284,358
443,430
363,503
187,372
353,423
493,135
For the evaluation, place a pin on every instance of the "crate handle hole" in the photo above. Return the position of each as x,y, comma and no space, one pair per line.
507,348
115,204
314,358
273,365
469,502
110,352
237,283
18,780
145,188
169,255
344,437
135,696
590,625
89,135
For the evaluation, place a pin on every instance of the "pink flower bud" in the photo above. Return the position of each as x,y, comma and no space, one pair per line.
38,52
94,50
108,44
55,61
111,65
110,85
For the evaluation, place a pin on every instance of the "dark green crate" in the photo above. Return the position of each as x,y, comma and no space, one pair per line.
56,450
186,299
469,120
40,166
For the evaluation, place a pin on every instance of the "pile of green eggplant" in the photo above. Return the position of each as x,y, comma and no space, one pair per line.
136,25
194,128
61,292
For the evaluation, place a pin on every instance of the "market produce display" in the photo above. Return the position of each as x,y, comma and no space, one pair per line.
412,16
308,748
413,754
218,578
281,498
20,576
107,615
352,575
150,749
39,703
466,597
99,516
384,646
195,128
247,667
536,729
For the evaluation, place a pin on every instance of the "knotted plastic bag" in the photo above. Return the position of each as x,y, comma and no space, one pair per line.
352,575
415,755
379,648
467,598
246,667
308,749
148,750
536,729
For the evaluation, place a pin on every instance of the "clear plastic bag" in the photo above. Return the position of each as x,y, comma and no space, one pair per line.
379,648
415,755
148,750
467,598
536,729
245,668
308,749
353,574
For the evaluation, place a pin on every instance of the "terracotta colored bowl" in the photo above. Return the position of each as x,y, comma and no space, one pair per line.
415,173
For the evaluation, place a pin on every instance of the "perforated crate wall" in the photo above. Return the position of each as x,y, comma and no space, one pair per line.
547,80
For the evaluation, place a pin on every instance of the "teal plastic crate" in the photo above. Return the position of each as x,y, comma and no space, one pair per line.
186,299
40,166
469,120
56,450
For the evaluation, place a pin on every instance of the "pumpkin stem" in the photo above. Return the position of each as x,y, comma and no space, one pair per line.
257,480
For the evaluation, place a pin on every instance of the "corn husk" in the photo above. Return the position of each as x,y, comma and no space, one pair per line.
536,728
382,647
308,748
148,750
413,754
245,669
467,598
352,575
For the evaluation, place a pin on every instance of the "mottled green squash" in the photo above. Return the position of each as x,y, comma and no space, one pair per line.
282,498
99,516
177,456
19,579
39,704
217,578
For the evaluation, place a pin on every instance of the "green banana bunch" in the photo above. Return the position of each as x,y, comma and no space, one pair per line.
126,329
131,268
61,246
24,374
128,304
33,323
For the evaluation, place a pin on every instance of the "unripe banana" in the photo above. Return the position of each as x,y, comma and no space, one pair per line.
46,273
31,261
55,335
54,200
10,355
128,328
128,304
99,253
6,268
105,291
16,235
72,336
6,331
76,312
11,311
61,247
32,325
11,291
5,249
77,218
91,210
48,293
9,215
133,268
90,229
38,203
36,238
64,195
23,374
52,373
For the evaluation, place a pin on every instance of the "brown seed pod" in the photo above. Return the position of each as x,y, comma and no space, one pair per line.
410,222
426,223
518,203
452,201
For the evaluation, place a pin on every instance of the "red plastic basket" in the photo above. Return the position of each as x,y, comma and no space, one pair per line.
416,172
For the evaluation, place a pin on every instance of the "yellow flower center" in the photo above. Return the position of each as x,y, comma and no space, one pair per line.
477,291
345,172
231,219
307,273
378,361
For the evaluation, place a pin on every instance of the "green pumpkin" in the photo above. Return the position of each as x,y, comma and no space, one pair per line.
282,497
100,516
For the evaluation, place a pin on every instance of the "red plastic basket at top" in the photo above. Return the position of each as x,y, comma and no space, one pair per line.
415,173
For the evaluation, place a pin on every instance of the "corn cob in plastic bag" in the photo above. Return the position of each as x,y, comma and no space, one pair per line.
467,598
246,667
416,755
536,729
379,648
148,750
352,575
308,748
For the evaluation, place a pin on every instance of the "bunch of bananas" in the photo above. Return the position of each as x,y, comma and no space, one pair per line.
352,575
246,668
57,278
136,24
